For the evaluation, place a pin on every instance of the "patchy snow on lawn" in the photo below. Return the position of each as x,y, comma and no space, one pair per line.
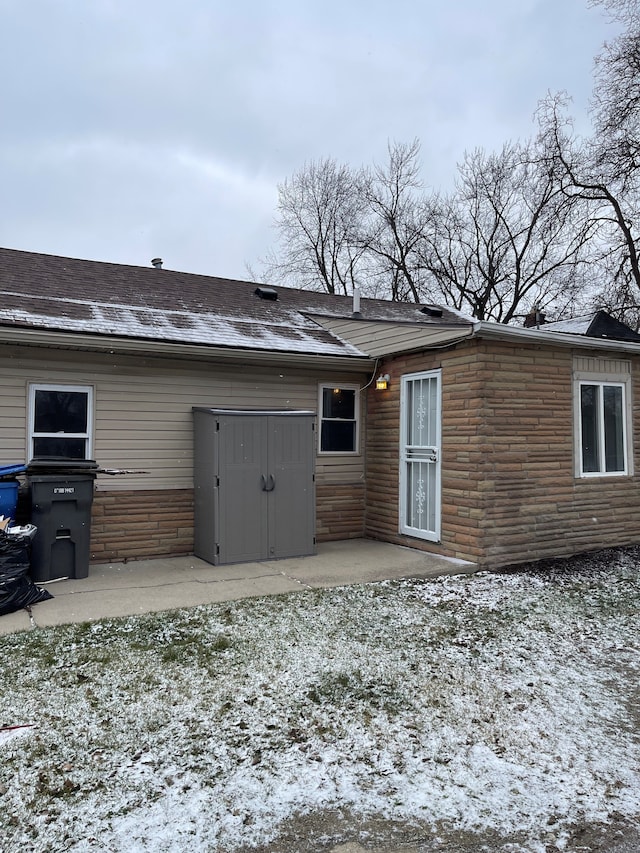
502,703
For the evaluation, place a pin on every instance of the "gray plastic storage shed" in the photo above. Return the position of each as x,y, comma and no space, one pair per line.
254,490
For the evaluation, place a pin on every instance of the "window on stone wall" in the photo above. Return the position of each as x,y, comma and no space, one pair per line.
603,425
60,421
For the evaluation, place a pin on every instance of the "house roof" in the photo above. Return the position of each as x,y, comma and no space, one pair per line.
72,296
56,301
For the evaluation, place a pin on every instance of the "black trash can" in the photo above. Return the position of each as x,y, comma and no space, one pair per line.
61,498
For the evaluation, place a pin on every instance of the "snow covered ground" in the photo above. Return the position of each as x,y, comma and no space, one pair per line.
500,705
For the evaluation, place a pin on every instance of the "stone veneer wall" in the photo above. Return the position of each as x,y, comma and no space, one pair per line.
535,506
461,453
509,493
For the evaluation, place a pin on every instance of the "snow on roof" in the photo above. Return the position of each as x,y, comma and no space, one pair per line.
291,333
573,326
91,297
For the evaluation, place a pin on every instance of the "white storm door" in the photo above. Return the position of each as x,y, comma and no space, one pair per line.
420,416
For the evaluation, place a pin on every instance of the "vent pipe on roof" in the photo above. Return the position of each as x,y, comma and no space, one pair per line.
356,302
157,263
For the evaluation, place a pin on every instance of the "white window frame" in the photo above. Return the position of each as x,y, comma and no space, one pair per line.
602,380
356,414
34,387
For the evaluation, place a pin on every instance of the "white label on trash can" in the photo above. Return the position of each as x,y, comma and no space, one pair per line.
64,490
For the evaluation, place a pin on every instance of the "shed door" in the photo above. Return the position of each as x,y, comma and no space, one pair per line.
242,500
420,417
291,499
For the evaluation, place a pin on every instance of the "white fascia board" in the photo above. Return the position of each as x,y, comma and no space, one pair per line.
189,352
500,332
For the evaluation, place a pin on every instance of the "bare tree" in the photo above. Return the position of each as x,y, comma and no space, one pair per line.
319,215
603,171
507,238
394,228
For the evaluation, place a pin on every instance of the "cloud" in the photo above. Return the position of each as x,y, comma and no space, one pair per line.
127,125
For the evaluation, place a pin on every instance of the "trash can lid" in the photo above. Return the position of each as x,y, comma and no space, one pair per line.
10,471
57,464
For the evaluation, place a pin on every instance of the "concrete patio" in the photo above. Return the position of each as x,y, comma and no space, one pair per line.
143,586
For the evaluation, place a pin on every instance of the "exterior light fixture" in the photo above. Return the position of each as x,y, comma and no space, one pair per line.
382,382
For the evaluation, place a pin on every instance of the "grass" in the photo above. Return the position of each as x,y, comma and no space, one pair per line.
503,704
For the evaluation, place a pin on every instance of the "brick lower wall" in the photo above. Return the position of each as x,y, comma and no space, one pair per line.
339,511
141,524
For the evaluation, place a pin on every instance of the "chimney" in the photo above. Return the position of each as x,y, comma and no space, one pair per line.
535,317
157,263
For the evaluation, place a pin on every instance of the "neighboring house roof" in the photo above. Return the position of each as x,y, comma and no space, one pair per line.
598,324
68,295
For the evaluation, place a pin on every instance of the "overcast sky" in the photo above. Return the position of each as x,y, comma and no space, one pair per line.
140,128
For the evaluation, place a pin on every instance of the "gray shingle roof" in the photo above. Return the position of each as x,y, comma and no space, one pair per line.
91,297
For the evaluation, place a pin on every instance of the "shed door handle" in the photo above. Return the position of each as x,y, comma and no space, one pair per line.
268,482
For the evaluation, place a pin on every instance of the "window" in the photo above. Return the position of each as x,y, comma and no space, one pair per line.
339,409
602,428
60,418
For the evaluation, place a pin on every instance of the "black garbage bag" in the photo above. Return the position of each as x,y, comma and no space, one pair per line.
17,590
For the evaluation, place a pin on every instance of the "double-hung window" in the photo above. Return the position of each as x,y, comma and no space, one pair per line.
339,416
60,421
603,424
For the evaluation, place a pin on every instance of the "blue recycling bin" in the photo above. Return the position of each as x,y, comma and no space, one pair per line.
9,489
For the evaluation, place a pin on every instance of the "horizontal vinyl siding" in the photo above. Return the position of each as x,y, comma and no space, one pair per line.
13,406
339,469
143,417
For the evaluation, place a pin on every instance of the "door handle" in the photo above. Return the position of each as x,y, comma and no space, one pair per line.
268,482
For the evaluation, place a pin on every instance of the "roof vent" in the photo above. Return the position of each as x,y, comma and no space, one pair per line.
356,302
431,310
157,263
266,293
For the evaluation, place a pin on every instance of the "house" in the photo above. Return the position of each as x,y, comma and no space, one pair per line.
490,443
